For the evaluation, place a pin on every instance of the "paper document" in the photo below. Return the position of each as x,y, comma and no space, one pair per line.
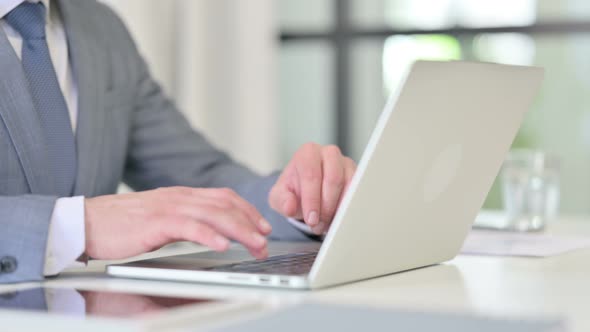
481,242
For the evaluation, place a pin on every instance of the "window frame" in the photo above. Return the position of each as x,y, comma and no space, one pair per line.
344,33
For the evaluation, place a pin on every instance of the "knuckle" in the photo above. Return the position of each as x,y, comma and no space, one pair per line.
251,210
349,161
312,174
334,179
238,216
241,220
313,201
308,148
332,150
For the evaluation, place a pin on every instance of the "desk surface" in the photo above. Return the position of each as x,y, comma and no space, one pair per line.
496,286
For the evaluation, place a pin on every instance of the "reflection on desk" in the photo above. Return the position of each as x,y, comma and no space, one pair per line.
81,303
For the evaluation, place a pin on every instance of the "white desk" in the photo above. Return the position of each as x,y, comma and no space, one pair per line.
498,286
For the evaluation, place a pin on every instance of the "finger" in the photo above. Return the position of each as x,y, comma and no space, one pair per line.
333,183
186,229
227,198
350,166
349,170
225,218
261,223
260,254
308,163
320,229
231,224
283,200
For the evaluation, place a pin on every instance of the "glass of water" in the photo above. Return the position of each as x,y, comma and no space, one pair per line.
530,188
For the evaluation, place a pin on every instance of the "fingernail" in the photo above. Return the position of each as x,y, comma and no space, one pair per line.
313,219
221,242
265,225
259,239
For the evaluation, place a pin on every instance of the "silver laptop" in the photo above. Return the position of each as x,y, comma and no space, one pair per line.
422,179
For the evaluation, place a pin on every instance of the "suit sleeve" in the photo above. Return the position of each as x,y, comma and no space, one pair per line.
164,150
23,237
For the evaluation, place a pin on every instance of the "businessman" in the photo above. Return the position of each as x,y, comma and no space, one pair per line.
80,112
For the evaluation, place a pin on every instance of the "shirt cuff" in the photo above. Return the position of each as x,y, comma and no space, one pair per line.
65,301
301,226
66,240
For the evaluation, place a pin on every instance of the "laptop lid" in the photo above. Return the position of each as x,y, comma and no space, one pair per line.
427,169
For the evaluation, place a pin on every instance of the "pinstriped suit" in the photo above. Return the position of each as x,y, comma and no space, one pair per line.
127,131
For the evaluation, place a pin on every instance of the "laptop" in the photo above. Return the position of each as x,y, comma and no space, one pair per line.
423,177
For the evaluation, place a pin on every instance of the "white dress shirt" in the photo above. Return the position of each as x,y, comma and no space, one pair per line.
66,241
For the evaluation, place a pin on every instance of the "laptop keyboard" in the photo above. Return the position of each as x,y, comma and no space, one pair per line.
288,264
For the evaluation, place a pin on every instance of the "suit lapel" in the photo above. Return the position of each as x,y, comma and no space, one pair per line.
22,120
89,72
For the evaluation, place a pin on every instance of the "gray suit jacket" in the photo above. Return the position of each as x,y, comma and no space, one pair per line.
128,130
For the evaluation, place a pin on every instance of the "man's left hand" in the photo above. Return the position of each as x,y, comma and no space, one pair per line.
312,185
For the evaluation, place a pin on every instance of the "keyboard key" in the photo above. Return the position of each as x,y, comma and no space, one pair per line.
289,264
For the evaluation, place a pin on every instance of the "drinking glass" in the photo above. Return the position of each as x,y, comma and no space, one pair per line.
530,188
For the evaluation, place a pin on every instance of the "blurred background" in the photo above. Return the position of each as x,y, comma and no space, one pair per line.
262,77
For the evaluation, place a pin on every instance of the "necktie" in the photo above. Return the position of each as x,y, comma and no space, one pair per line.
29,20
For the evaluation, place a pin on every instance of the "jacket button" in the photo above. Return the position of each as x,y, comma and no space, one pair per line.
8,264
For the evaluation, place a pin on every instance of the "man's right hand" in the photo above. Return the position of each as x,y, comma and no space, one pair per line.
125,225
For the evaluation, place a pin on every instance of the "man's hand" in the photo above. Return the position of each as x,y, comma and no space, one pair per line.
120,226
312,185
